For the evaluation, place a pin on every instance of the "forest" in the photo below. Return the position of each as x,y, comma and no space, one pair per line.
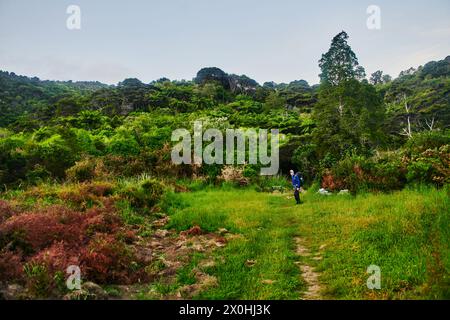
86,179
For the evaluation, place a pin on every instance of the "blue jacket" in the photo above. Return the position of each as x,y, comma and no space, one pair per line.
296,183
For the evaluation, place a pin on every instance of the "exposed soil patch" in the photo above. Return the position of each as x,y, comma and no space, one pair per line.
309,274
166,251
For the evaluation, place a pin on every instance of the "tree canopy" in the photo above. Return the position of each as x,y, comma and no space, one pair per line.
340,62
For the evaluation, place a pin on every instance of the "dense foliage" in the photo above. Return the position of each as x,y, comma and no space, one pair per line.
50,127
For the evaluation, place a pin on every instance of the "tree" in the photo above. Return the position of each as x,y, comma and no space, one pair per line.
348,117
387,78
349,112
406,73
274,101
131,82
376,77
435,69
340,62
270,85
212,75
133,93
407,131
68,106
242,84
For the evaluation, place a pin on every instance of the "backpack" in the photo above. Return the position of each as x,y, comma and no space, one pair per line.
300,177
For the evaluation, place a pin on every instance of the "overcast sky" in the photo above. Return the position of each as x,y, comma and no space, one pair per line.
277,41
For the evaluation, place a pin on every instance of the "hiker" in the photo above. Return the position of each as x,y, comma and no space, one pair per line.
297,184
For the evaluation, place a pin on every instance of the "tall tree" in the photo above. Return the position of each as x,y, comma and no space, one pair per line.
376,77
349,112
340,62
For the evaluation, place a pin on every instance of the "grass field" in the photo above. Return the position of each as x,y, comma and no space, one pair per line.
406,234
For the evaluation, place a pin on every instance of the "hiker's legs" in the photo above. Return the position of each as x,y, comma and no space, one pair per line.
297,196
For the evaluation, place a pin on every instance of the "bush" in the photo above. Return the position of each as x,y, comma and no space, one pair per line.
427,140
431,166
85,195
13,159
106,260
250,172
346,174
90,169
38,279
123,145
124,166
6,211
233,175
387,175
211,171
360,174
82,171
143,192
35,231
10,265
37,247
390,170
55,155
37,174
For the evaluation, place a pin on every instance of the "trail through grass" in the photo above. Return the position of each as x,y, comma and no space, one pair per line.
406,234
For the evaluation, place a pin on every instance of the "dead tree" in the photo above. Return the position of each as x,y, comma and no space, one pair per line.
430,124
408,130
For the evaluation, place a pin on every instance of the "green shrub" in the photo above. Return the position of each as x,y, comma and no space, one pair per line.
250,172
359,174
123,145
431,167
82,171
387,175
211,171
143,192
128,215
55,154
427,140
419,171
39,281
37,175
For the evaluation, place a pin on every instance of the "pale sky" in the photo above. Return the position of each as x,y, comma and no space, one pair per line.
277,41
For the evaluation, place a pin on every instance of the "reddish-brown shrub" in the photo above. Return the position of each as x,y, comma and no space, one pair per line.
10,265
127,236
6,211
329,182
358,171
107,260
57,257
46,241
35,231
86,193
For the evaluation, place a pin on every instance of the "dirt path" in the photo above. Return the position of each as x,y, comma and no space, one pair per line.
309,274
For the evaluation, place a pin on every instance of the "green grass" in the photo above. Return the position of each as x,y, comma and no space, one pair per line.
406,234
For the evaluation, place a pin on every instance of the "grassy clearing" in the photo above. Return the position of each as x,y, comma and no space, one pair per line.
260,263
406,234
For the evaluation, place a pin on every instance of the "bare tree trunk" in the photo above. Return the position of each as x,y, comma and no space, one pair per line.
407,131
430,124
341,107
